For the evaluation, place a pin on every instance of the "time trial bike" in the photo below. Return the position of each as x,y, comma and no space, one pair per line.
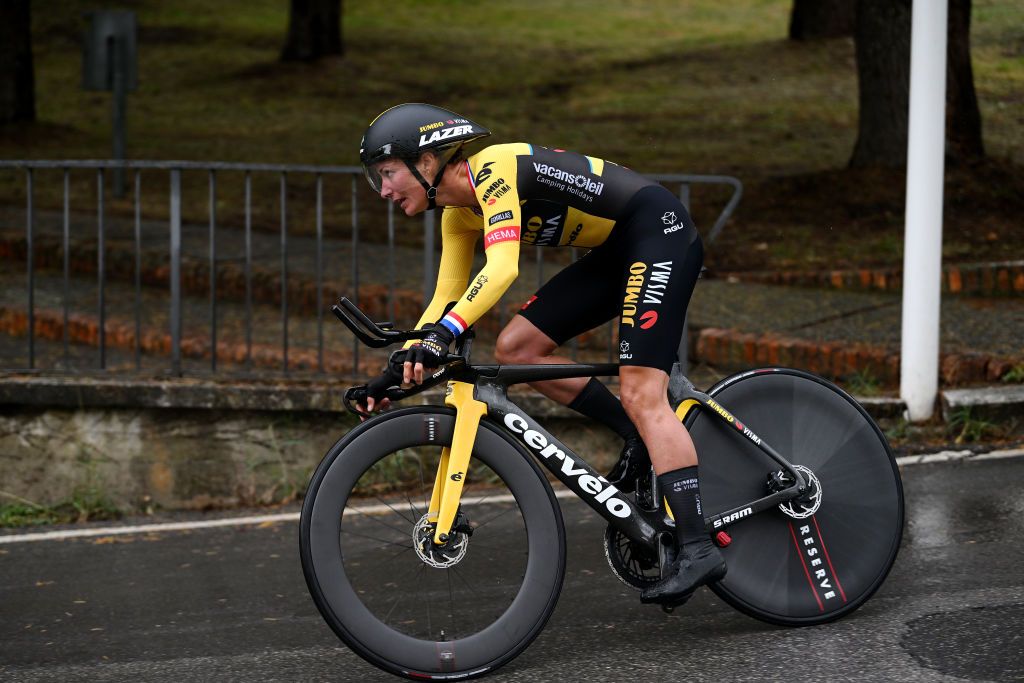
433,544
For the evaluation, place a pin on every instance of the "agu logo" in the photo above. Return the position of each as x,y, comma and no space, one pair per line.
648,320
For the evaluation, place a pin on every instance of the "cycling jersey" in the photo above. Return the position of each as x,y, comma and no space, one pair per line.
545,197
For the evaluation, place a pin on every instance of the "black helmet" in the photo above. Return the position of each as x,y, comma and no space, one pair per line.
408,130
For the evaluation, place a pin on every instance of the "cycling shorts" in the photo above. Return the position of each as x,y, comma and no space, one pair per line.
644,273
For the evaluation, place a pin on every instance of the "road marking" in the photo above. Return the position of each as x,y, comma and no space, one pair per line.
291,517
953,456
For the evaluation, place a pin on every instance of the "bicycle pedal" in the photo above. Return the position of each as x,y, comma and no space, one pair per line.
722,539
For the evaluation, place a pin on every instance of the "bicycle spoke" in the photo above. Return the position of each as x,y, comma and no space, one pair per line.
374,518
503,512
380,540
398,598
390,507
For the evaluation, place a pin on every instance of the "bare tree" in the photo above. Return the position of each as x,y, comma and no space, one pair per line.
812,19
883,70
17,80
314,30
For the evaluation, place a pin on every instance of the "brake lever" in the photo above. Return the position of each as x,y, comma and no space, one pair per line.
350,403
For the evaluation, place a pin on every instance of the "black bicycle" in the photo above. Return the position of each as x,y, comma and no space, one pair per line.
433,545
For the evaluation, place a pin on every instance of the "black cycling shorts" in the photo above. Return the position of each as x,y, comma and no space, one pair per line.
644,273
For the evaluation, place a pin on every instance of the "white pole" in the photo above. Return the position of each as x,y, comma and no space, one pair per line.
922,252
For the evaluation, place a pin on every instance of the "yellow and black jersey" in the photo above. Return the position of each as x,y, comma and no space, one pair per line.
525,193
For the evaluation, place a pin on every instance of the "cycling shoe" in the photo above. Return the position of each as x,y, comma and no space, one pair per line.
698,563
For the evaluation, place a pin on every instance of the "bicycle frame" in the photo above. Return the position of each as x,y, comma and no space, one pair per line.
488,394
478,390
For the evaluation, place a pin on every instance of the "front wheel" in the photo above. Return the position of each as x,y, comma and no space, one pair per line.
399,601
821,560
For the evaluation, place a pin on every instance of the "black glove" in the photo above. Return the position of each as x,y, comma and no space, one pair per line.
376,388
432,349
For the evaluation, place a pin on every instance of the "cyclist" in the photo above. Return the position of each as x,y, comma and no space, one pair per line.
644,259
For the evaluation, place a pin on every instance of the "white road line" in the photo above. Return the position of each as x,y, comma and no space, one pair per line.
289,517
950,456
292,517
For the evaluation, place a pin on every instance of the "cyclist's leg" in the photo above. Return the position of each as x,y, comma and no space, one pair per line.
664,256
578,298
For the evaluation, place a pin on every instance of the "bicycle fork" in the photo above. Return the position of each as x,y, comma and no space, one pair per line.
454,464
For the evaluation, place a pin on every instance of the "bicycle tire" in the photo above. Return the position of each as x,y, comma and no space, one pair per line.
330,559
784,570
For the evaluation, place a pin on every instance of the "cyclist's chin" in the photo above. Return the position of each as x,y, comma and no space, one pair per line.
411,207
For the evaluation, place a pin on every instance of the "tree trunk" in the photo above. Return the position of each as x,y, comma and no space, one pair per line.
812,19
883,74
963,119
883,70
314,30
17,81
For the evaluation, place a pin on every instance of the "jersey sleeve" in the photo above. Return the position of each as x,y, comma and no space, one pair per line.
458,240
492,173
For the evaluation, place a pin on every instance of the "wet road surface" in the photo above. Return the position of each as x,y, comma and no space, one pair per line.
230,603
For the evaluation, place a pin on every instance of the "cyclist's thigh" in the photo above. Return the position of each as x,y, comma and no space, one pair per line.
578,298
662,254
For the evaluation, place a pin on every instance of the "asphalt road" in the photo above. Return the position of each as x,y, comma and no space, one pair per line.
230,603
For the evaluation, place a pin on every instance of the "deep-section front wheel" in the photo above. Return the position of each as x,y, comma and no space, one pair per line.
403,603
783,567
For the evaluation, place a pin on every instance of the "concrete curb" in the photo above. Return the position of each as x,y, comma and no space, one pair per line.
991,402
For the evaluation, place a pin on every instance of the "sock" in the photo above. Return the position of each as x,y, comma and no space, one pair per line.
682,490
597,403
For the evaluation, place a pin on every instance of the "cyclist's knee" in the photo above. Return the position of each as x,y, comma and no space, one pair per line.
522,342
643,393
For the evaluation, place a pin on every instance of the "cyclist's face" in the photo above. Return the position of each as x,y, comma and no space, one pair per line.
399,185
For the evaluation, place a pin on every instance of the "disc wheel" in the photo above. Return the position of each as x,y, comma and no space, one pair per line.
404,603
800,571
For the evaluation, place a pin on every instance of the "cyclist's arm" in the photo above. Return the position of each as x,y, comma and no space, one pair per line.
499,202
457,243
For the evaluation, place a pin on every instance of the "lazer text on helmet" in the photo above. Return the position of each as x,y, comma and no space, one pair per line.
444,134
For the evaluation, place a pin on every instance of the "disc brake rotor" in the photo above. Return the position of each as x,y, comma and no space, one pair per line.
441,556
807,504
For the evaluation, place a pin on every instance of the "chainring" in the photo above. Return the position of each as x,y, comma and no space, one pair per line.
634,565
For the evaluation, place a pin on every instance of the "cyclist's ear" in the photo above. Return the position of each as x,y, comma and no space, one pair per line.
427,164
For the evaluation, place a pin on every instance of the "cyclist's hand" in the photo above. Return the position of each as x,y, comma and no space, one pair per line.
427,354
372,397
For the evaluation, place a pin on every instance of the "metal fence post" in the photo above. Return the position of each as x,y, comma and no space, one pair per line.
30,267
683,352
284,272
355,265
138,270
213,271
101,279
67,261
429,273
319,272
176,271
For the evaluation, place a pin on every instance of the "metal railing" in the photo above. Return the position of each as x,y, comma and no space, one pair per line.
286,175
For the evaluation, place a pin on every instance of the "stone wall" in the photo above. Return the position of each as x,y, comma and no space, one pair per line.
190,444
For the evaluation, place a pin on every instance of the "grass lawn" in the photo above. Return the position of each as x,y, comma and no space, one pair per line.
658,85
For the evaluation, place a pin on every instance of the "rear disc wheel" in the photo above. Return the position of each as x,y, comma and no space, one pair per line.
784,568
